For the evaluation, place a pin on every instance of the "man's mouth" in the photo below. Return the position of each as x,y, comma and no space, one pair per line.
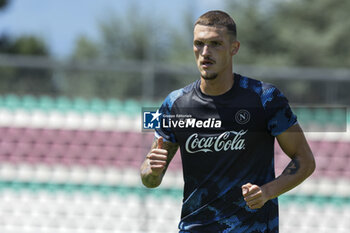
207,63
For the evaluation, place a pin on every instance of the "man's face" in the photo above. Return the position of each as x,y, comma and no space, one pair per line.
213,48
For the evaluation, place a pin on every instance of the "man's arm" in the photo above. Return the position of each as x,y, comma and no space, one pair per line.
302,165
157,161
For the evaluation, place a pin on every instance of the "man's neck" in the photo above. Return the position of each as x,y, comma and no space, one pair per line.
217,86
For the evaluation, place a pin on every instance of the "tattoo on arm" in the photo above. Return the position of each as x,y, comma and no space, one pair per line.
171,148
292,167
154,181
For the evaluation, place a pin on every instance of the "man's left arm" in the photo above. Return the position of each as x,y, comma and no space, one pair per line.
294,144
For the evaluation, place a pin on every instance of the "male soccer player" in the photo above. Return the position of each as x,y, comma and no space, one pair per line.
227,140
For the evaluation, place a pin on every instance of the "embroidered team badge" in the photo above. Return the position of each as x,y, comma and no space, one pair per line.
242,117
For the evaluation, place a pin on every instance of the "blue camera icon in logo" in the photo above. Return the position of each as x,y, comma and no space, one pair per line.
151,119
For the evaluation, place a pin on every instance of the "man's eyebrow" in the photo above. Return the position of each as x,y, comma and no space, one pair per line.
209,39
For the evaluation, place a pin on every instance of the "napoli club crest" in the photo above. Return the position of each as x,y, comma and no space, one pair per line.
242,117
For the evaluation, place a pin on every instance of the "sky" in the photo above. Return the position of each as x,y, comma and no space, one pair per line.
59,23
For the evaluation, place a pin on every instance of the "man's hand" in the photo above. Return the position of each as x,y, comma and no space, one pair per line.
254,196
156,162
157,158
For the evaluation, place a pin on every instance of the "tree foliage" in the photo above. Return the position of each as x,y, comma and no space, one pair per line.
85,48
127,37
25,80
296,33
3,4
272,33
24,45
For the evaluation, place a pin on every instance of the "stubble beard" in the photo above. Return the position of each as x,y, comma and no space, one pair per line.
209,76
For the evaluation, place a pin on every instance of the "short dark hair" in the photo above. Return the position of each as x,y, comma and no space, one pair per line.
218,18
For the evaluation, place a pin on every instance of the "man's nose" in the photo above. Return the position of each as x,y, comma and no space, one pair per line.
205,50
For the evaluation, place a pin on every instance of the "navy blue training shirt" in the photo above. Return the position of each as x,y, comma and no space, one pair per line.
226,141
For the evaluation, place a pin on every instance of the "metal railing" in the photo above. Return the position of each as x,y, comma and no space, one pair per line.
153,79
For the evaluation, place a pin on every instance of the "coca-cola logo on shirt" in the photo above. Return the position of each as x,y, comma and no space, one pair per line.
223,142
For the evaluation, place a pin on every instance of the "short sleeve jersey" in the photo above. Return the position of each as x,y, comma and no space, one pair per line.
226,141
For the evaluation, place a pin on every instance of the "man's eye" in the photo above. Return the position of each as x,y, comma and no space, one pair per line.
215,43
198,43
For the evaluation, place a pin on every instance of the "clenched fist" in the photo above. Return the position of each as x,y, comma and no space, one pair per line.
254,196
158,158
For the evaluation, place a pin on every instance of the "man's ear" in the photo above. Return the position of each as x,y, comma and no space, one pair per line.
235,47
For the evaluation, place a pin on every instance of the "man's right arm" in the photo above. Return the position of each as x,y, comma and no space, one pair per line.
157,161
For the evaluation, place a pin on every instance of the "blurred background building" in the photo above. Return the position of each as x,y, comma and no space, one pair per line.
74,76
